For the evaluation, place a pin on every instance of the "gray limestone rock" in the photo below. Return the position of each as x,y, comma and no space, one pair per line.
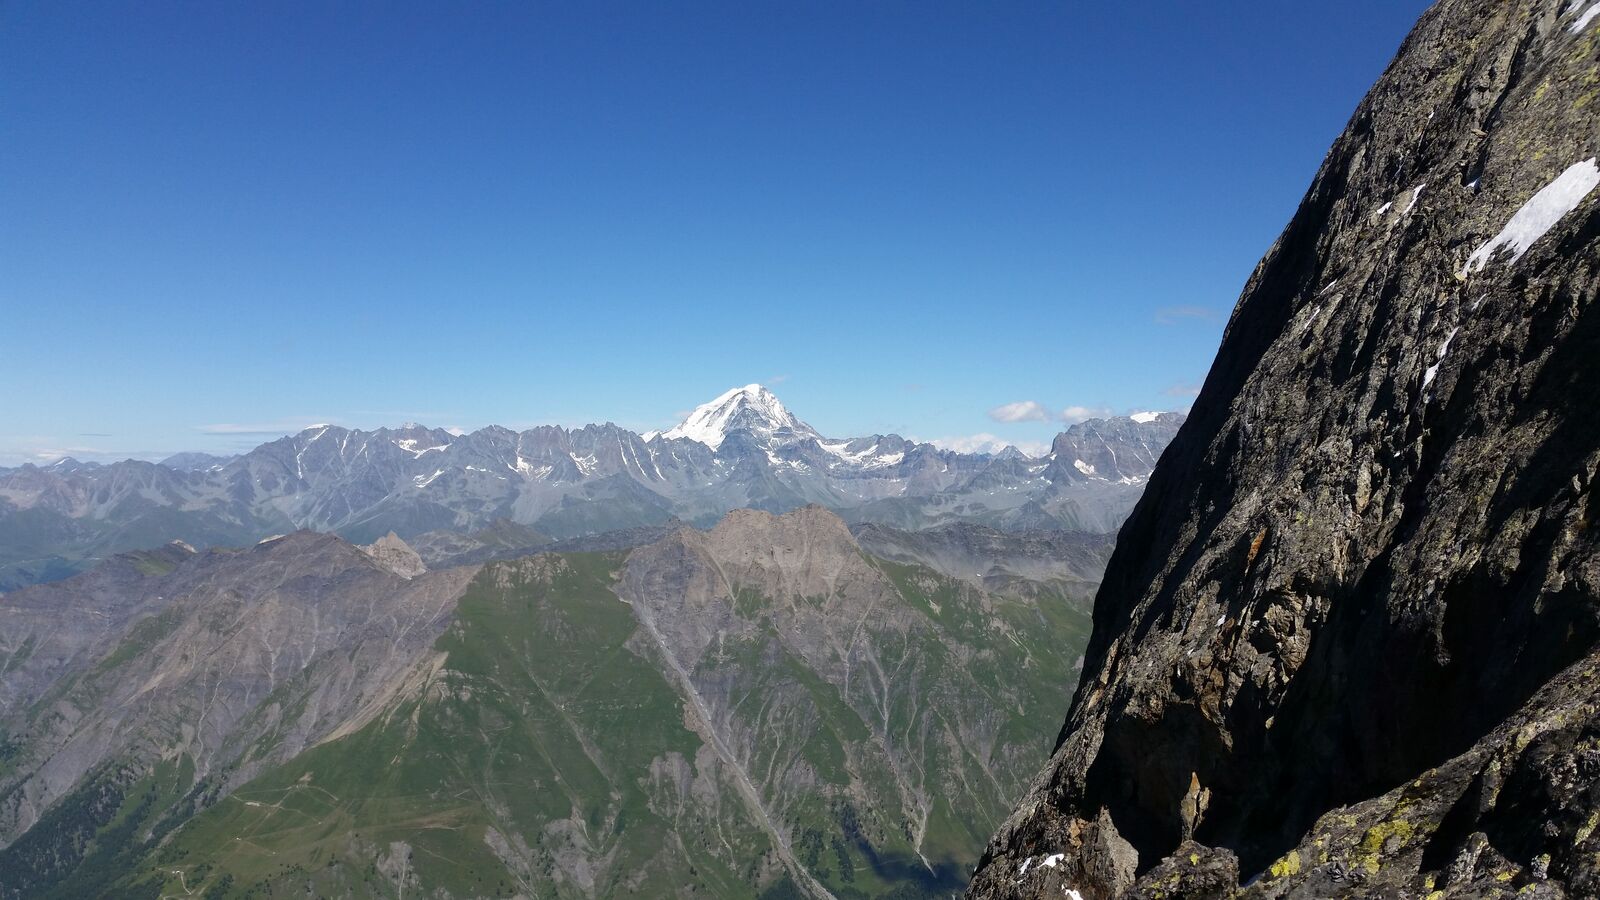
396,556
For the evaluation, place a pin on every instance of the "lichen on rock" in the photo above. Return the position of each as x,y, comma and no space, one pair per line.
1359,604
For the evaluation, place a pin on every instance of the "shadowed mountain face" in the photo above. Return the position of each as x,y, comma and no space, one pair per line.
761,708
1346,645
742,450
1069,562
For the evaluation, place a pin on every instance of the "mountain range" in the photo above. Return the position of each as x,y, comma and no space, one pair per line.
1347,643
773,706
744,449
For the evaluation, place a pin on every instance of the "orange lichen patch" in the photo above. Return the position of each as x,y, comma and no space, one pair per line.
1255,546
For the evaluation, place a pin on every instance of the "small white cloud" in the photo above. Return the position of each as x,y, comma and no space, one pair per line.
970,443
286,426
455,430
44,450
775,380
53,453
1172,315
1021,411
1183,390
1074,414
985,442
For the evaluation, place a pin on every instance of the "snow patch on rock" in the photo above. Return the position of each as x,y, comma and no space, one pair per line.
1541,213
1584,20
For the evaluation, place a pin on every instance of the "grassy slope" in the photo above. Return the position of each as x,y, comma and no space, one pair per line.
86,843
1018,662
551,725
540,725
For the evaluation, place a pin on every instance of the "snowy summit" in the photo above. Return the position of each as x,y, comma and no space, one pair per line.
751,408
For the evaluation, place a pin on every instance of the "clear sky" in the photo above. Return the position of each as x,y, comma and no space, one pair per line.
224,221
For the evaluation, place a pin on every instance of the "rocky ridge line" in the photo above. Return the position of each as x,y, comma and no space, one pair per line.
1345,645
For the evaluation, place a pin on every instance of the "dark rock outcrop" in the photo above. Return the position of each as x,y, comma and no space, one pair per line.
1347,641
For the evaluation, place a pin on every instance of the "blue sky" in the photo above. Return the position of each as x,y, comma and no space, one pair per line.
220,221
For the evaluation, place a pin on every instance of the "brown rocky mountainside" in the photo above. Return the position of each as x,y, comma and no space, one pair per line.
1346,645
172,652
765,708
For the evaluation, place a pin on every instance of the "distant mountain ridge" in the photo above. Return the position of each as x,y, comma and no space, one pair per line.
744,449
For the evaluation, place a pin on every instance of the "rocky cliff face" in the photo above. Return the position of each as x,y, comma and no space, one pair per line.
395,555
1346,645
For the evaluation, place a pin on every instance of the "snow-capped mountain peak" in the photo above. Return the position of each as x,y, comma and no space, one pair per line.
571,483
751,408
